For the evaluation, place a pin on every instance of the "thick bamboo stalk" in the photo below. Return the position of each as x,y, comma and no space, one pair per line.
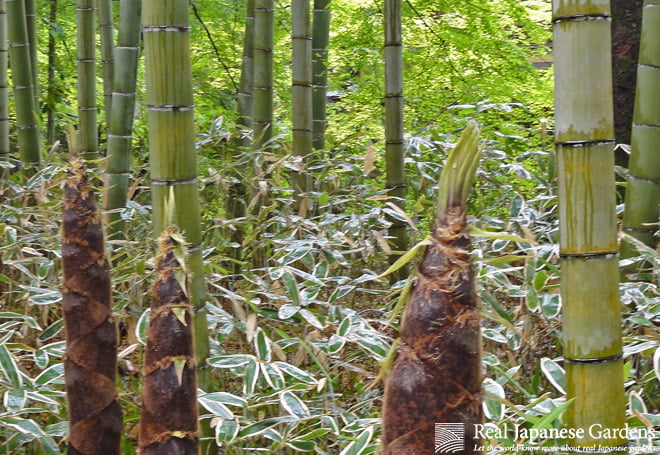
168,421
436,376
86,54
244,122
19,56
173,160
395,179
122,112
301,88
90,365
4,84
320,41
31,21
643,192
238,194
262,96
588,244
107,55
52,58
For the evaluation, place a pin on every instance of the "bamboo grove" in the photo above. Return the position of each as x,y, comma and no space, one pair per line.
204,251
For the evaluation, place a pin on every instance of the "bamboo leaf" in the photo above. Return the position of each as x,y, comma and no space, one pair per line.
636,403
272,375
340,292
215,407
230,361
51,330
287,311
344,326
226,398
555,374
656,363
142,325
476,232
262,346
9,368
294,405
311,318
251,377
405,259
336,343
296,372
50,375
290,283
41,358
358,446
494,410
226,431
548,420
14,400
259,427
27,320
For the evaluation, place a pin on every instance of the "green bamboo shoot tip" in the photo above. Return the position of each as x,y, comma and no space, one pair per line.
458,173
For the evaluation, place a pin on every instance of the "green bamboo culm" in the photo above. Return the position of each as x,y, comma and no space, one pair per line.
52,84
4,86
28,137
118,166
436,376
170,121
395,178
301,88
86,54
642,200
31,22
320,42
244,122
107,55
584,140
262,96
236,201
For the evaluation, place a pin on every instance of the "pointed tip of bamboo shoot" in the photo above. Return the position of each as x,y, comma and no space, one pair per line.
76,173
458,173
